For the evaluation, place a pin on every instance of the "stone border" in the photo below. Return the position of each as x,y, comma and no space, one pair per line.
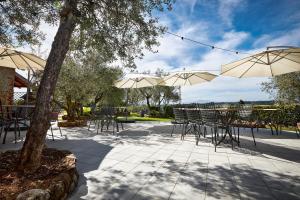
63,185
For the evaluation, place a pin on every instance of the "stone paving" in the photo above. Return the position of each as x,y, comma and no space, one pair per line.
145,162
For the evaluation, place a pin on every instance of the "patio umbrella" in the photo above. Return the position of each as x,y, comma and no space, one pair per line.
272,62
15,59
138,81
186,78
20,60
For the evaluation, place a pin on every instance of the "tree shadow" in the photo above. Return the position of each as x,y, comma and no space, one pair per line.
264,133
89,155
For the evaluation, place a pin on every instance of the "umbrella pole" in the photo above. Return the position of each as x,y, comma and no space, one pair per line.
126,103
28,87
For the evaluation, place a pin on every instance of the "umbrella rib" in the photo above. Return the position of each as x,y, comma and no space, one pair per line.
26,61
287,58
5,50
33,60
271,70
148,82
175,81
237,65
250,67
171,76
123,84
14,62
132,86
189,81
185,81
202,78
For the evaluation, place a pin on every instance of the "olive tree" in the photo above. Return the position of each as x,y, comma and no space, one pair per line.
120,28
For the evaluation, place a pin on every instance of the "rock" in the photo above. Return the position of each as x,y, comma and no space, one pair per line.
34,194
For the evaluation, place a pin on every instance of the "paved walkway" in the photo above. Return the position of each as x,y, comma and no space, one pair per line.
145,162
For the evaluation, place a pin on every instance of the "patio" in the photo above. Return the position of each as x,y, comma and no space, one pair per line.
145,162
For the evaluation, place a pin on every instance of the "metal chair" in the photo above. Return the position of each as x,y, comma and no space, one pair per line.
209,119
195,121
53,118
9,120
180,119
245,119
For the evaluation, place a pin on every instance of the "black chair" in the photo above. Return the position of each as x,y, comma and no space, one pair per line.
195,121
245,119
94,116
209,120
180,118
53,118
9,120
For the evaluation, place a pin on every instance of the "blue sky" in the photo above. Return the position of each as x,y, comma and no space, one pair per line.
244,25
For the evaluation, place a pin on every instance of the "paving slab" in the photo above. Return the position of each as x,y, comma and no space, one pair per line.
145,162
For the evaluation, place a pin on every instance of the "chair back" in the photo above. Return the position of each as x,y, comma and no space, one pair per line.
245,112
180,115
193,115
208,114
53,116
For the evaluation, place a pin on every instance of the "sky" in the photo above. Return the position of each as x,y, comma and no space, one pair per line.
243,25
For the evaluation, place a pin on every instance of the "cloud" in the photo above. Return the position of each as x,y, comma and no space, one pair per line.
287,38
226,10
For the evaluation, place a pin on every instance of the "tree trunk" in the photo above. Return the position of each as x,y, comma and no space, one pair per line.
30,156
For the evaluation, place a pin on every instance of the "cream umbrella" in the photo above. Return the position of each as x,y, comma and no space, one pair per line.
20,60
138,81
272,62
15,59
186,78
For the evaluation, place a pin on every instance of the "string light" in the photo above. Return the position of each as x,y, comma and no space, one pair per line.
207,45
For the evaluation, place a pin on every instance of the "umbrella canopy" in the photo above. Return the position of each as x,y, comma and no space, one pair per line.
186,78
265,64
20,60
138,81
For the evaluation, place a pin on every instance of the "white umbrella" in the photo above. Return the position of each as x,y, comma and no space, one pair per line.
186,78
20,60
138,81
265,64
15,59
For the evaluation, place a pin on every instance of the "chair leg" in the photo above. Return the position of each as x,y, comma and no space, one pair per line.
52,132
215,132
15,131
97,124
173,129
60,131
253,136
19,129
182,132
90,124
117,125
3,126
238,136
5,133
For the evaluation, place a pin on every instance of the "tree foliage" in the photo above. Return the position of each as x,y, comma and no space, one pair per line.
157,95
284,88
86,80
120,28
